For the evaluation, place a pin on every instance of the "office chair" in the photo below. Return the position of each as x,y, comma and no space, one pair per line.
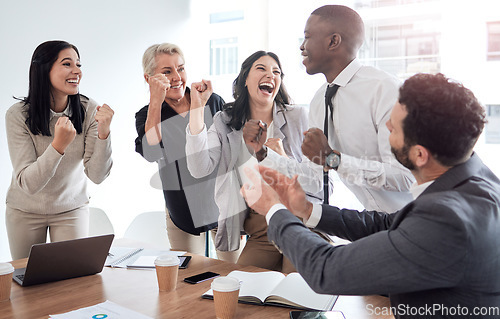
99,223
149,227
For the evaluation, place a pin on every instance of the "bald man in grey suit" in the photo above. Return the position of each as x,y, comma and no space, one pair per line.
438,256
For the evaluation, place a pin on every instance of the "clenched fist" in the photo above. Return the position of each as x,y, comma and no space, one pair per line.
64,134
103,117
159,84
200,93
254,135
315,146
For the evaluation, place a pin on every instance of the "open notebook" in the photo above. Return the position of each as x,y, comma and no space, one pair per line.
274,288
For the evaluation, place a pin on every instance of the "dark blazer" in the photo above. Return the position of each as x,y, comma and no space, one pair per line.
190,201
441,250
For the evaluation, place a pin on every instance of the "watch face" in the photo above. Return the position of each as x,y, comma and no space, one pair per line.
333,160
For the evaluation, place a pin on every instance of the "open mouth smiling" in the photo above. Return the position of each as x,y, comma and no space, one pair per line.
266,87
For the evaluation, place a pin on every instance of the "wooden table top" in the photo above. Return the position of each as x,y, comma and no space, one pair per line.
138,290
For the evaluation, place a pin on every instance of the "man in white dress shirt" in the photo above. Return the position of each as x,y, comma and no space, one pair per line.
358,146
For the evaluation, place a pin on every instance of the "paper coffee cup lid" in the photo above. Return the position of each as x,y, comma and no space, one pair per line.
167,260
225,284
6,268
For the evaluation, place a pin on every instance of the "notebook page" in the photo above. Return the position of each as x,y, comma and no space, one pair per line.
295,289
258,284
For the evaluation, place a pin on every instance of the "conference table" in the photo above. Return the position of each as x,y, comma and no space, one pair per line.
137,290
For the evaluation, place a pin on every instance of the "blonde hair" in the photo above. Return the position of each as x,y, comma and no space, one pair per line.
149,57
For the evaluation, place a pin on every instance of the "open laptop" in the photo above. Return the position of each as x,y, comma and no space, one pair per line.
63,260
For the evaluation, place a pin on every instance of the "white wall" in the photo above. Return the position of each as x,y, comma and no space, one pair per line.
467,63
111,37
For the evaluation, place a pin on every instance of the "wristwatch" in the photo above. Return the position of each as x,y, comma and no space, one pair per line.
332,160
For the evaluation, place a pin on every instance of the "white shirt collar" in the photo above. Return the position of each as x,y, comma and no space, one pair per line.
67,112
347,73
417,189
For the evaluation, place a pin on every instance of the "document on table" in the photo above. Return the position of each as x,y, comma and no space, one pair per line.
120,257
107,309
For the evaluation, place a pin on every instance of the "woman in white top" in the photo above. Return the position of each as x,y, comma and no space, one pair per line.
56,136
260,116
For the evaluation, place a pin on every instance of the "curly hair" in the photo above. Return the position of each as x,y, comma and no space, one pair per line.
239,110
443,116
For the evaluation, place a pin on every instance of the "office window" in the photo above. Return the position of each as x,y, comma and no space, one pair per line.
224,56
220,17
492,131
402,49
493,53
386,3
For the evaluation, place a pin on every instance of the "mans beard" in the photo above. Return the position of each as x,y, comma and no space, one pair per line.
402,156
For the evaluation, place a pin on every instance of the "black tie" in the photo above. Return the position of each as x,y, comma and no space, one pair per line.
330,93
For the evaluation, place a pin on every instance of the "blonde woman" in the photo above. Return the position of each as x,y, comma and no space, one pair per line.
191,209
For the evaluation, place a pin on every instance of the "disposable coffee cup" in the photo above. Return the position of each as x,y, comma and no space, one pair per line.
167,270
226,291
6,271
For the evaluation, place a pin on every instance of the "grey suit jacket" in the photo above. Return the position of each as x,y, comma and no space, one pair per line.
441,250
221,145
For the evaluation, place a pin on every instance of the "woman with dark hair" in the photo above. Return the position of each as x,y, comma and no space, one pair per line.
259,122
56,136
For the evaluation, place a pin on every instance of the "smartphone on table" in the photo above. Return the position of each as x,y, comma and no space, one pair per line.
184,260
201,277
316,314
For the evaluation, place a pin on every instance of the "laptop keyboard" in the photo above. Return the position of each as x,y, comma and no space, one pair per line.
20,277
